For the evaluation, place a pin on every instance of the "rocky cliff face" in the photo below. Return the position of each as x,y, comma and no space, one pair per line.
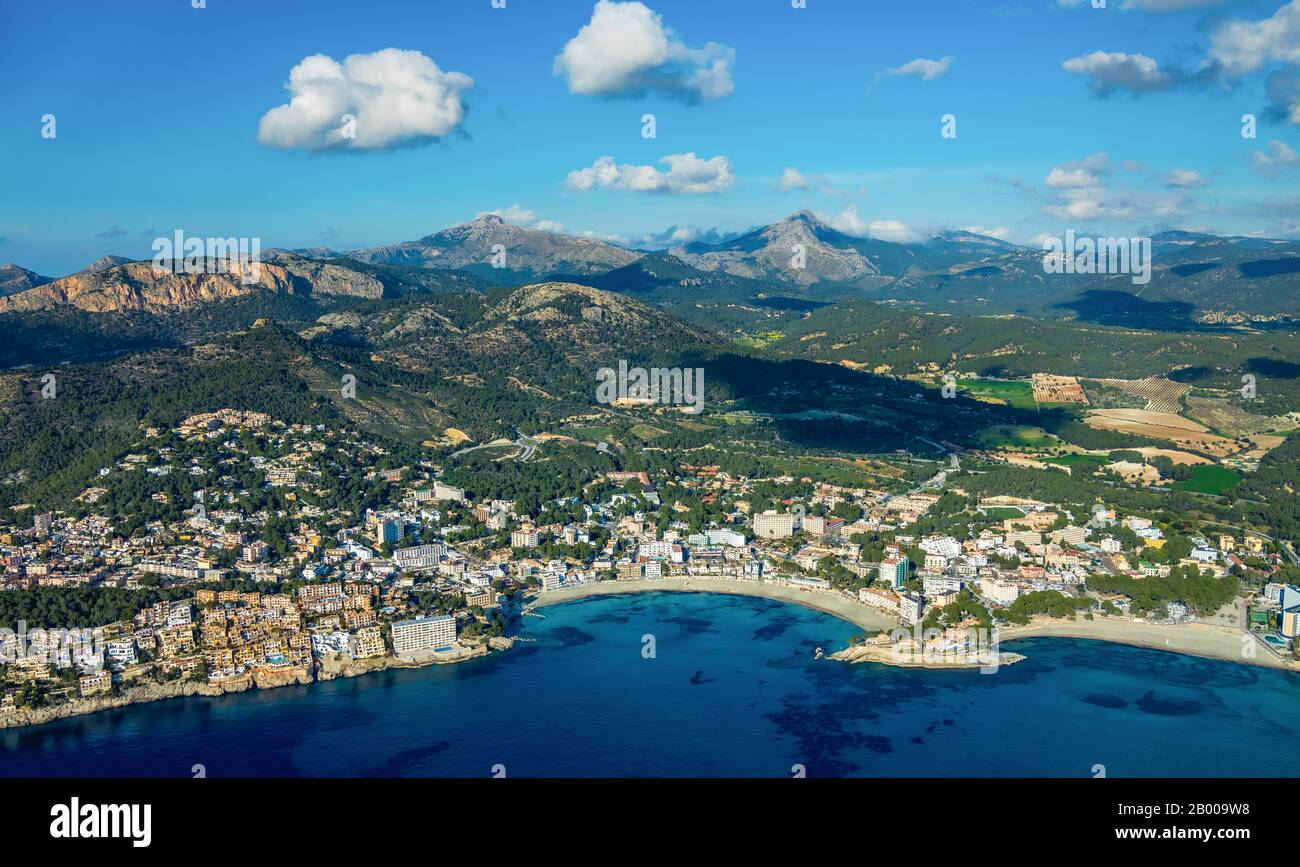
135,286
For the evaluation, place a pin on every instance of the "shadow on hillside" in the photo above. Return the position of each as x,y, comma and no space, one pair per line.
1260,268
1112,307
1273,368
826,406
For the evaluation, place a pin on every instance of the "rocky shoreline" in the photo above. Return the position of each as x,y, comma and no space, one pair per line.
135,694
146,692
889,654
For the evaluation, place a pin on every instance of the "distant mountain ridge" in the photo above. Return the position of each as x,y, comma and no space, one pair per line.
516,250
1195,277
14,278
103,263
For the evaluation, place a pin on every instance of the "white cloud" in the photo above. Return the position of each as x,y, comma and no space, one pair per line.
851,223
1082,173
1001,233
1280,158
1097,203
1239,47
678,235
526,217
848,222
1109,71
396,97
793,179
1080,205
1070,178
922,68
625,50
892,230
1185,178
687,174
1082,193
516,214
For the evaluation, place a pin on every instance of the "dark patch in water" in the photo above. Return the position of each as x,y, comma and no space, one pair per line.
608,618
775,629
1168,668
1111,701
823,733
797,660
571,636
917,740
690,625
698,678
400,764
948,722
1150,704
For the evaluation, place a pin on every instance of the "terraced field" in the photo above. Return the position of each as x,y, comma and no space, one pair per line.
1161,394
1162,426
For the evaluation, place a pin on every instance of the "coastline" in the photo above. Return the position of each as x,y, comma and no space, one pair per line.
1190,639
325,669
819,600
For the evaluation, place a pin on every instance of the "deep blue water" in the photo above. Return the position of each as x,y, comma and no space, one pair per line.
733,690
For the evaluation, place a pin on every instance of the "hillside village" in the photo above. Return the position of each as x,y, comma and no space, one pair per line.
302,555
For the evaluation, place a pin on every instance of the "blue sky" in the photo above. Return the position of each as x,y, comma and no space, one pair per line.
158,105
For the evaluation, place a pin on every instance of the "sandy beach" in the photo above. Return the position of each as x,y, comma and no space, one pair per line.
1195,639
828,602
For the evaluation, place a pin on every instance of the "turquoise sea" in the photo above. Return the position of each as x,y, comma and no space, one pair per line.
732,689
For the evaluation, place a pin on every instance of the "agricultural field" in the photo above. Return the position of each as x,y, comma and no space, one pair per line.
1179,458
1263,444
1232,419
1161,394
1014,393
1101,396
1210,479
759,340
1162,426
1005,436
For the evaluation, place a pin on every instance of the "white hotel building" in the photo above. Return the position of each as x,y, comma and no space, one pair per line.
424,634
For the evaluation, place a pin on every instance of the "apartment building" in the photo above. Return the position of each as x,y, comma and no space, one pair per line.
424,634
774,525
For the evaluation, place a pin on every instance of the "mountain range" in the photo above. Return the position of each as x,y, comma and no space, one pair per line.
1196,278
